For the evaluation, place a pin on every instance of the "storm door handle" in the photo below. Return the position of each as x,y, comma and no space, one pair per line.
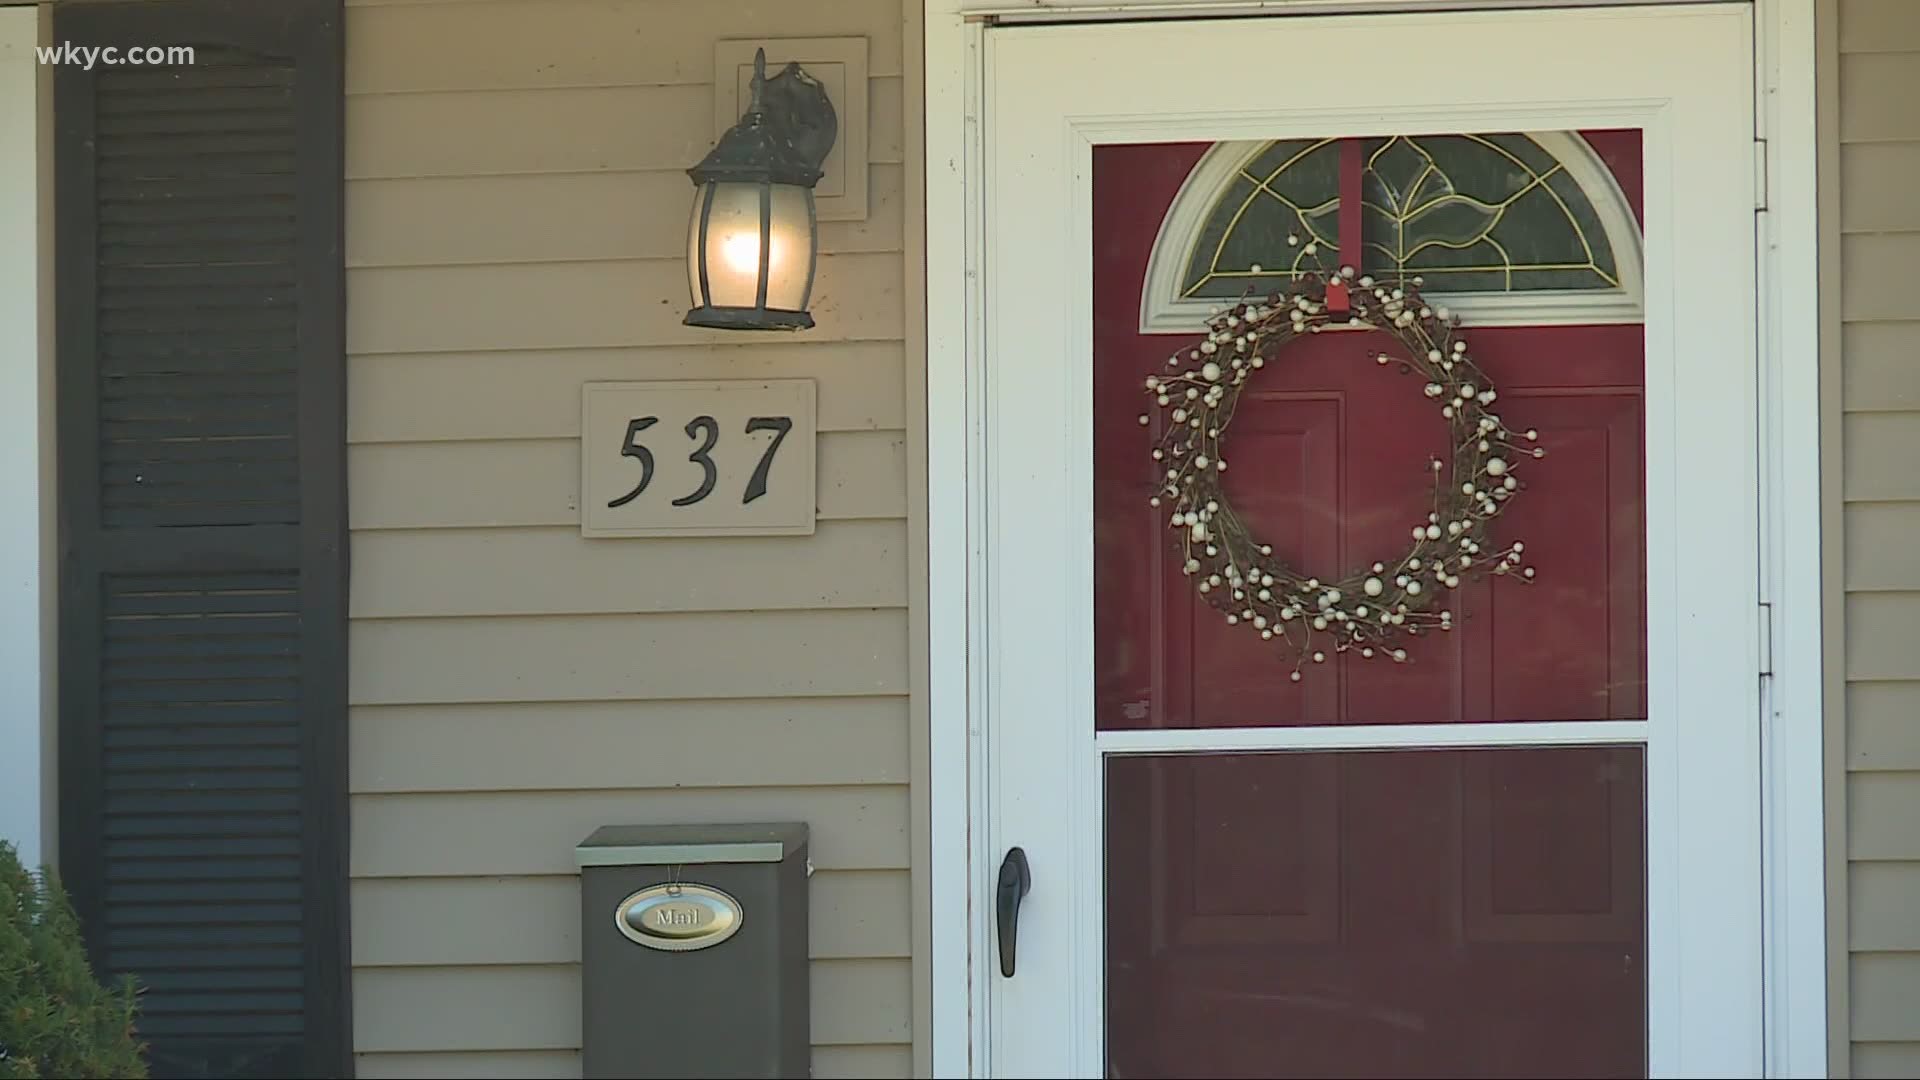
1015,879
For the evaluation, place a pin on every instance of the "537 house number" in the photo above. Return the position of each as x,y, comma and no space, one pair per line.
706,431
720,458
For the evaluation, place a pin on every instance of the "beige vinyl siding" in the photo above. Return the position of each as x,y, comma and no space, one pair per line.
1879,227
516,215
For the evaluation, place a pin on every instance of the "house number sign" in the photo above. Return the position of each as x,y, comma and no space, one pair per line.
724,458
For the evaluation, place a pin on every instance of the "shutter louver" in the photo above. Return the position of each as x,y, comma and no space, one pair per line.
201,765
202,655
197,261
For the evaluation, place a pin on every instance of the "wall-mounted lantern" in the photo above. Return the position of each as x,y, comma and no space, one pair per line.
753,239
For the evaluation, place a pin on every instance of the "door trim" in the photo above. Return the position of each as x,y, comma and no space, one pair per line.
1096,10
1794,856
1794,765
26,451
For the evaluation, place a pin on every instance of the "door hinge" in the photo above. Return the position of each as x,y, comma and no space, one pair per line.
1766,640
1759,174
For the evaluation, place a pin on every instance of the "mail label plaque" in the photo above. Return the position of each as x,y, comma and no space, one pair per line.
718,458
678,917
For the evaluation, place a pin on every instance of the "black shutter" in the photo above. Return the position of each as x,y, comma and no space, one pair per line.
201,371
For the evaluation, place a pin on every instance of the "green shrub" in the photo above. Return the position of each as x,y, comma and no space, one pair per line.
56,1020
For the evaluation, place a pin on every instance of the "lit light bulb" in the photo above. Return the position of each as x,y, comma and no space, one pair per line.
741,250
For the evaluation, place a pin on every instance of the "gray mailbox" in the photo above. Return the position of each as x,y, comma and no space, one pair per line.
694,951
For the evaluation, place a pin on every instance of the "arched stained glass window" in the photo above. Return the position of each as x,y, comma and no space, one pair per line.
1511,228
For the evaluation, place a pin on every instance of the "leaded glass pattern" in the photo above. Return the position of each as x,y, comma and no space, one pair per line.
1470,213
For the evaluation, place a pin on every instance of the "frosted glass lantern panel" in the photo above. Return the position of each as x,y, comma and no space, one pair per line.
790,264
732,255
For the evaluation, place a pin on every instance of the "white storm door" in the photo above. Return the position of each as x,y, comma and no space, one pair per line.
1478,867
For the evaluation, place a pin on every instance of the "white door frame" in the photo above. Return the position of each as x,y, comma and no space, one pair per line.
1794,949
26,448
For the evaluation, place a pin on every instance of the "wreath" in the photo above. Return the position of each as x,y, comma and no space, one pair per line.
1372,610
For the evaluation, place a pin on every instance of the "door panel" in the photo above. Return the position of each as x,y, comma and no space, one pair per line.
1430,913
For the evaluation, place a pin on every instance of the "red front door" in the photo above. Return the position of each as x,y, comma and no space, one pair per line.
1344,913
